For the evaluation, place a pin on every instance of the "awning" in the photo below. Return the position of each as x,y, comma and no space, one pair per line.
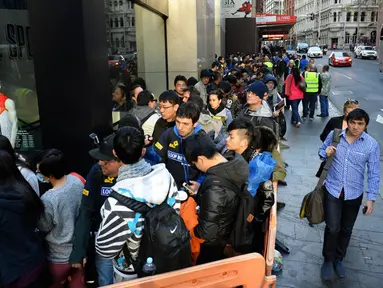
271,24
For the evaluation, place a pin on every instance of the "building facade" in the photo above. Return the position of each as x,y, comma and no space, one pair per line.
274,6
289,7
337,23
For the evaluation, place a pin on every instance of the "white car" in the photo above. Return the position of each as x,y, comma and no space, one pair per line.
315,52
366,52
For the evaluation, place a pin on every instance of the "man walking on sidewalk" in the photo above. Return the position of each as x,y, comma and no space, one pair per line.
313,87
344,187
326,79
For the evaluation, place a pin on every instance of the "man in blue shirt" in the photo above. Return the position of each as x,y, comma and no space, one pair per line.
344,187
303,63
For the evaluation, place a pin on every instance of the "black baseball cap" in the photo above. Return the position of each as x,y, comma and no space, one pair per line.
105,151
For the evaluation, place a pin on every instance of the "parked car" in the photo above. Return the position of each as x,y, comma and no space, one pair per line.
302,47
116,61
314,52
340,59
366,52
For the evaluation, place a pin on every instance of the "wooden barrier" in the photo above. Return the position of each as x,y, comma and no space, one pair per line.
271,234
246,270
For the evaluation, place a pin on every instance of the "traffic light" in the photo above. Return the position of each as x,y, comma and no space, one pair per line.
312,16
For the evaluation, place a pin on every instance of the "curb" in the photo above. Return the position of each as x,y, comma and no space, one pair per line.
335,110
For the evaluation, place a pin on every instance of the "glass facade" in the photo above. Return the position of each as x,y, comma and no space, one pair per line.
17,78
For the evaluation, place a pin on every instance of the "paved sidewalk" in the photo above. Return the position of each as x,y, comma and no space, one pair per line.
364,260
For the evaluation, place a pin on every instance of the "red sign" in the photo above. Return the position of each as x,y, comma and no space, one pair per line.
275,19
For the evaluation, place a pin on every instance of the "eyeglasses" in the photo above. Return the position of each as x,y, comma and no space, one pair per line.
351,101
164,107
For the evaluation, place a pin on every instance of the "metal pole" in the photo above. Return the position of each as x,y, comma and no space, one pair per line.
359,8
319,20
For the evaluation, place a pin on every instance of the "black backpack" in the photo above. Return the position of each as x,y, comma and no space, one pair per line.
165,237
243,229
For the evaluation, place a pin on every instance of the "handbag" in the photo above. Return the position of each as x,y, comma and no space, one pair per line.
312,206
302,86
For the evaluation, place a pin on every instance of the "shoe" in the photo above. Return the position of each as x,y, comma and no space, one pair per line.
321,115
311,119
339,269
280,205
298,125
283,146
304,118
327,271
282,182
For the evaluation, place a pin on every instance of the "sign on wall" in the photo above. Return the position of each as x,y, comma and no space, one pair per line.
236,9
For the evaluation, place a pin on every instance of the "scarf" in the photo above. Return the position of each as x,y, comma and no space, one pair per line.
218,110
129,171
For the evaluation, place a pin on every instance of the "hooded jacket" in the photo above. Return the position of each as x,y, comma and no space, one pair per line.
201,88
170,147
261,117
219,205
226,118
20,248
120,224
274,97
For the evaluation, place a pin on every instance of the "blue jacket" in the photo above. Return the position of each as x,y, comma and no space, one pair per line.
303,64
170,147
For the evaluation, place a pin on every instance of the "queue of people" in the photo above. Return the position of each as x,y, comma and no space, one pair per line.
179,183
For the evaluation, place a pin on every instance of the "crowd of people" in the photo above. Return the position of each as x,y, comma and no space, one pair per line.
187,178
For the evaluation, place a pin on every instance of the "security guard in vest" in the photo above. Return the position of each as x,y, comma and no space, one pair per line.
313,89
98,186
268,63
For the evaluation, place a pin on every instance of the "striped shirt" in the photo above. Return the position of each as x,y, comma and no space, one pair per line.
348,167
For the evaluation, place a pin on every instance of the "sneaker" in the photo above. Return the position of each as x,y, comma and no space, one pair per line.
321,115
339,269
304,118
311,119
327,271
280,205
283,183
283,146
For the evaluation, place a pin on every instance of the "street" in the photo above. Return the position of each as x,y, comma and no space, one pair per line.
364,259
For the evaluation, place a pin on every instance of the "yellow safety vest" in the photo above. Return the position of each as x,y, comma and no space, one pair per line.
312,81
269,64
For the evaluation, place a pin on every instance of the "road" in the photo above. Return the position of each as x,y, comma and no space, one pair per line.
362,82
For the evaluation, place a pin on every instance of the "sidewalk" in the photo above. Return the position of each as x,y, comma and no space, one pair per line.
364,260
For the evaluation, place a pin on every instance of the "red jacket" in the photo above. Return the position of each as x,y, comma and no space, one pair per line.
292,90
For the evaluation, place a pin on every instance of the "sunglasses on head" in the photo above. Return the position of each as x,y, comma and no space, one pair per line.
351,101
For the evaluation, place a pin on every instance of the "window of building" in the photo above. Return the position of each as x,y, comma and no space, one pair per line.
348,17
334,15
339,16
115,3
128,21
336,2
110,3
121,22
111,23
372,16
133,23
117,43
347,39
120,2
116,22
355,16
362,16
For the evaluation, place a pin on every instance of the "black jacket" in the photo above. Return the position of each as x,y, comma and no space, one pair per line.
333,123
160,127
219,205
96,191
21,249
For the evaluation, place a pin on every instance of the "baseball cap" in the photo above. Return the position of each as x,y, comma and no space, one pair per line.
105,151
258,88
204,73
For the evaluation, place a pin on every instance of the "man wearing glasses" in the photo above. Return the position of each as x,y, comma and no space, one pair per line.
98,186
169,103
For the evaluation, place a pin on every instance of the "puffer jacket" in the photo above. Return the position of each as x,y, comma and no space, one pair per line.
219,205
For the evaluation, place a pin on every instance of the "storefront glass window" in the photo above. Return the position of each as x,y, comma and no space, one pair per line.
19,113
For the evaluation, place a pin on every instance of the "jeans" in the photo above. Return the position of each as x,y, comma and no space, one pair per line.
340,216
64,273
295,114
309,102
323,105
104,270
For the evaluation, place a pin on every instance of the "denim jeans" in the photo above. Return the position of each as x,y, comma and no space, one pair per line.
295,114
323,105
104,270
340,216
309,102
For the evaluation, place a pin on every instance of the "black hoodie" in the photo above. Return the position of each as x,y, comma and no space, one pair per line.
219,205
20,248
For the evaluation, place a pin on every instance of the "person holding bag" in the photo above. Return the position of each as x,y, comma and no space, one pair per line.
295,94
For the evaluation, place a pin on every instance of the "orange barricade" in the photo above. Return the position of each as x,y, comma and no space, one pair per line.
247,270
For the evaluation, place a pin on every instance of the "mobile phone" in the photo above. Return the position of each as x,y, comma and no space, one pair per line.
364,209
189,188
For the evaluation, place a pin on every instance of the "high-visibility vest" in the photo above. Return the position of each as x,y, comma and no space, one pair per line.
269,64
312,81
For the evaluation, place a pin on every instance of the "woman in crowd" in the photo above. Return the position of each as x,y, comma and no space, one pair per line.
339,122
295,94
21,163
62,204
21,252
122,99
